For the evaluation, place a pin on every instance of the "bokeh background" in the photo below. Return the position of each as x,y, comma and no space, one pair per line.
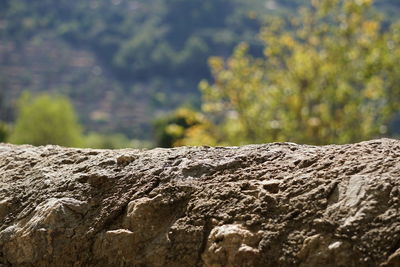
136,73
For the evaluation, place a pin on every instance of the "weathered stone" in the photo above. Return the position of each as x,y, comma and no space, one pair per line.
278,204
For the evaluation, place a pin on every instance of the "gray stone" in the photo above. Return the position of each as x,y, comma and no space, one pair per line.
277,204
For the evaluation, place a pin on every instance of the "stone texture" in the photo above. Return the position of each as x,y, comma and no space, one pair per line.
277,204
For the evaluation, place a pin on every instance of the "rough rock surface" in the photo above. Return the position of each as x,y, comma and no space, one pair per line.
278,204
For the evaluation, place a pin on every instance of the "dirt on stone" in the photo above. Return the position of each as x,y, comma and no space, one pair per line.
279,204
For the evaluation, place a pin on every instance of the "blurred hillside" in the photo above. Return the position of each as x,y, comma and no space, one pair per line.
124,62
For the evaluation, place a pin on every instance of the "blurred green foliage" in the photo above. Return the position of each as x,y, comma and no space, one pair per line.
333,77
142,40
113,141
4,131
138,40
46,120
321,72
185,126
146,48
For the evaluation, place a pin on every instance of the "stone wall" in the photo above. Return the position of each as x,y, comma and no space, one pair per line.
277,204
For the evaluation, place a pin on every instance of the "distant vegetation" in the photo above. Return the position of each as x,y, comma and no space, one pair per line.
333,78
51,119
124,63
139,40
46,120
154,52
